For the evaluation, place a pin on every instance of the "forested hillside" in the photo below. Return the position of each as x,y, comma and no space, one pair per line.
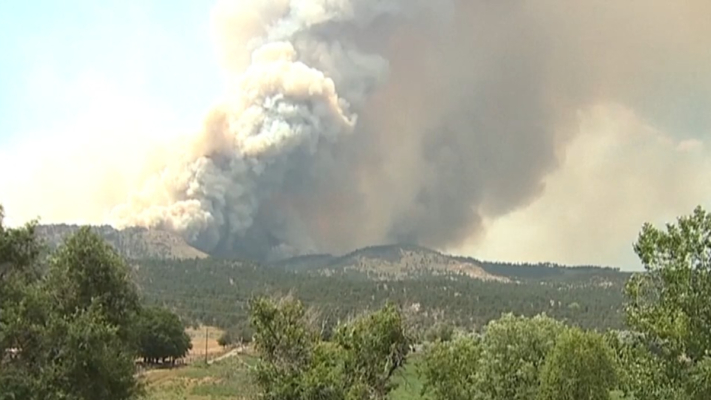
435,287
216,291
379,262
401,261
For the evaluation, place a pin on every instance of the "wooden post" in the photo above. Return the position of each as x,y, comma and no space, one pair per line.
206,336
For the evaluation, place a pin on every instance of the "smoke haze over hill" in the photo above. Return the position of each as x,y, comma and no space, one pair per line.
357,122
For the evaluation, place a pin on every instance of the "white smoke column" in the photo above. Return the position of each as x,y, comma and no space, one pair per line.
284,111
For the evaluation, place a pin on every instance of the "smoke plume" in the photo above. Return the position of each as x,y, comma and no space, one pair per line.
354,122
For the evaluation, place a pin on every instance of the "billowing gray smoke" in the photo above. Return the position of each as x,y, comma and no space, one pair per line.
355,122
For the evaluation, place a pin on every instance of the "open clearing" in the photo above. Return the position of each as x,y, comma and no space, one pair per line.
226,379
197,337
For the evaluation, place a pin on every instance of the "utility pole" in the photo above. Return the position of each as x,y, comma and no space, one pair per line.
206,336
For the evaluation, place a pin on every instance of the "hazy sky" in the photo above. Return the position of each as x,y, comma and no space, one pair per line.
77,76
58,57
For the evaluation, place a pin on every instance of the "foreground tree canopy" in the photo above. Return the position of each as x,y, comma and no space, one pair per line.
68,320
665,355
521,358
581,366
358,363
669,303
64,332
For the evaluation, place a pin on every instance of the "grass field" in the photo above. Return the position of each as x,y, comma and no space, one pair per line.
409,384
227,379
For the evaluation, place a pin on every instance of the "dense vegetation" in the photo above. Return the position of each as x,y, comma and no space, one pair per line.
664,355
74,320
357,362
429,284
217,292
161,336
70,320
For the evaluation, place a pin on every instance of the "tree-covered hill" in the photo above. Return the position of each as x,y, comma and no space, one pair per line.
402,261
435,286
216,291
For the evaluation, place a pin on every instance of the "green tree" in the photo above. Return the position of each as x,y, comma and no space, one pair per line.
668,303
161,335
449,369
226,339
48,350
641,373
285,344
19,254
513,352
581,366
442,331
504,363
698,385
377,346
295,363
87,271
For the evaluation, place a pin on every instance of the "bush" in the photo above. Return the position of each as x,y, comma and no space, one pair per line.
442,332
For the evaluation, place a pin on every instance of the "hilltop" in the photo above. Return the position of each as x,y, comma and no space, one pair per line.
401,261
392,262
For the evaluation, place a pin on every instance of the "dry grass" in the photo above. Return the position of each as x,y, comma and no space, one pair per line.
197,337
227,380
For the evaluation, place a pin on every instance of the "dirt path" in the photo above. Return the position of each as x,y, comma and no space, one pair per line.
234,352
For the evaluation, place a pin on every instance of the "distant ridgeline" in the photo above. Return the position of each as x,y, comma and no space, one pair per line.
397,260
432,286
131,243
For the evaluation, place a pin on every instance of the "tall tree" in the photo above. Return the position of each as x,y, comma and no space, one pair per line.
640,372
49,349
449,369
86,271
377,346
669,302
19,252
296,364
513,351
581,366
161,335
503,363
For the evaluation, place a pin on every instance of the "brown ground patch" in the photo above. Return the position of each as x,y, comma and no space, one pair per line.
198,339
